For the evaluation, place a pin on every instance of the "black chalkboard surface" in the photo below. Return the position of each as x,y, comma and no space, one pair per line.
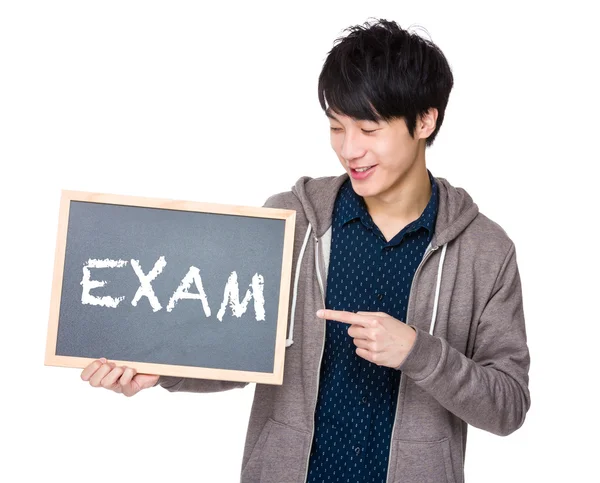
171,287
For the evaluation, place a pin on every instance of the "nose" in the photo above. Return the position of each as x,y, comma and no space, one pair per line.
352,145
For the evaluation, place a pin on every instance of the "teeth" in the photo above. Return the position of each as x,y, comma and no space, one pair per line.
361,170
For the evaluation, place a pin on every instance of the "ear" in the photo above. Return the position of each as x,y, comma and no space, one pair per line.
426,123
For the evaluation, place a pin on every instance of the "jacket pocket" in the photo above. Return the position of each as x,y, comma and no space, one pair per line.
422,462
279,455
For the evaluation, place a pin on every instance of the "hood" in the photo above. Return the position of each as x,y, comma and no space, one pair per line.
456,209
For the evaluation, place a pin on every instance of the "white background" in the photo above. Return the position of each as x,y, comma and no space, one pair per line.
190,100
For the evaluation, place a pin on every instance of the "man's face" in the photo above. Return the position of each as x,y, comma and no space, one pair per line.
386,148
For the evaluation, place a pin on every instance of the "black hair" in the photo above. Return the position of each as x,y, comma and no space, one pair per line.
381,71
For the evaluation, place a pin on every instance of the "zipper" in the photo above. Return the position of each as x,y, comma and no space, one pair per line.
312,433
425,257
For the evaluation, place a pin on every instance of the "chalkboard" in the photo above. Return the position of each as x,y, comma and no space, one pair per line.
173,288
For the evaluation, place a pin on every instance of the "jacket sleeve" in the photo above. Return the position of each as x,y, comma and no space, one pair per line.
184,384
490,390
188,384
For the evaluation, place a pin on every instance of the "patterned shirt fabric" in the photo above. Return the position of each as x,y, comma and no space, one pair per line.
357,399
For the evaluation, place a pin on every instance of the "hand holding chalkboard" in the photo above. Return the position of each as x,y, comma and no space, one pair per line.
120,379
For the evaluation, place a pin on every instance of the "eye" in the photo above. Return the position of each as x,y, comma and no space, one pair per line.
366,131
335,129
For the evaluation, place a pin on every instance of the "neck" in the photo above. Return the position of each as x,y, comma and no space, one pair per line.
404,201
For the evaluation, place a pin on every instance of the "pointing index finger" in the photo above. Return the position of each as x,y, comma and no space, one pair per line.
346,317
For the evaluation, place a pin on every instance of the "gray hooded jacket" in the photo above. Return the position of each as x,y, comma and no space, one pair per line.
469,363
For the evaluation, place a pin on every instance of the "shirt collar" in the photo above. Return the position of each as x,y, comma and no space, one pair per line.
353,206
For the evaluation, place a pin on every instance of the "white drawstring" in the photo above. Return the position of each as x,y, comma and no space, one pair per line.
290,340
437,288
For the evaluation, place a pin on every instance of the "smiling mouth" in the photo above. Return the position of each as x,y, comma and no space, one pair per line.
362,173
362,169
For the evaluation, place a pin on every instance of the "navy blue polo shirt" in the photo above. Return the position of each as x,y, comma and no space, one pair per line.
357,399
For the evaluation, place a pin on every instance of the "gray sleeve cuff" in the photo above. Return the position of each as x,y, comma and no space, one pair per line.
423,357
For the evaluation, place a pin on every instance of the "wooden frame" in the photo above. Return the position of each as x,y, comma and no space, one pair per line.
52,359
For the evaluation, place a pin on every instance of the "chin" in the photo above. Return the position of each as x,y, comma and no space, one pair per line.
367,190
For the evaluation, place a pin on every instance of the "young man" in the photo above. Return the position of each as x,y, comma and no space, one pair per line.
420,328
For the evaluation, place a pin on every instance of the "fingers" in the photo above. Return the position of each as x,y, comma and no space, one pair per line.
128,384
376,314
91,368
110,381
359,332
366,319
96,378
373,357
101,373
127,376
366,344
